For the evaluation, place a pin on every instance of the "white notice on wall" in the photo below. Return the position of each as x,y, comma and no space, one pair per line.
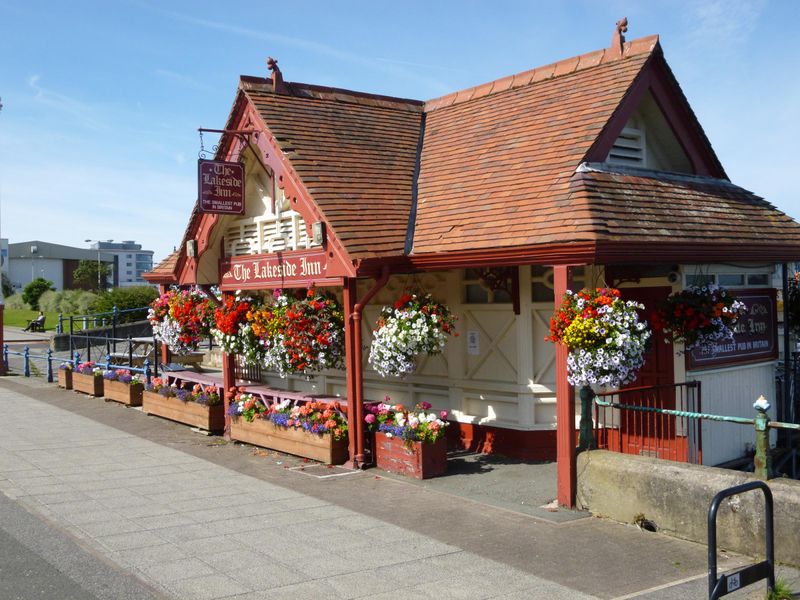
473,343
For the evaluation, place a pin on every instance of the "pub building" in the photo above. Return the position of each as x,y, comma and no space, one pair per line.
592,171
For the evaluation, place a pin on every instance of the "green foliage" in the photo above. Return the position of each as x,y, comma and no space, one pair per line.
781,591
85,275
34,290
15,302
20,317
76,302
7,289
124,298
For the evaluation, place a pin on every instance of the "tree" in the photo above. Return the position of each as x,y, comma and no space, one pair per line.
85,275
7,289
34,290
138,296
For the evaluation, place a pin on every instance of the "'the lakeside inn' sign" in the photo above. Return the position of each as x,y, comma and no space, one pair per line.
220,187
270,271
755,336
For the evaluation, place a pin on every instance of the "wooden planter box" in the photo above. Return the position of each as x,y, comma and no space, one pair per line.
65,378
299,442
413,459
210,418
88,384
117,391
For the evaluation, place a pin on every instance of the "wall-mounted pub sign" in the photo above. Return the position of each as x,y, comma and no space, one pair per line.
755,337
299,268
220,187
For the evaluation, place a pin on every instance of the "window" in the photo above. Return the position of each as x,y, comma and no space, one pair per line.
476,290
732,280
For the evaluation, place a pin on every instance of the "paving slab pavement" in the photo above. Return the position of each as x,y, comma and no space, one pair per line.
194,517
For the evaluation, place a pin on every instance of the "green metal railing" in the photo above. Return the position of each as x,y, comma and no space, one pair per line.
761,423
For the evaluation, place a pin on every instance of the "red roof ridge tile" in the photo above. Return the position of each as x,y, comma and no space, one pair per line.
566,66
249,83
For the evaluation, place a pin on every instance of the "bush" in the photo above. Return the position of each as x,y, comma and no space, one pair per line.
69,302
7,289
139,296
15,302
34,290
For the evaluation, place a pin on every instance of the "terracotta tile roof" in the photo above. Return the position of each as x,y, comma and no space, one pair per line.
166,268
355,153
634,205
494,161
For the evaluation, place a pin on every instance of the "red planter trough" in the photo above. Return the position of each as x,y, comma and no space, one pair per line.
412,459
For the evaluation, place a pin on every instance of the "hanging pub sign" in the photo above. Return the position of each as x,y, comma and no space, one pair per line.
220,187
299,268
755,336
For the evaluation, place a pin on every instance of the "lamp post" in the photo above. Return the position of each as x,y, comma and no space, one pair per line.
98,242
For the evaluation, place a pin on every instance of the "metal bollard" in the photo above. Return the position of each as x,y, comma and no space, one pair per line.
60,326
49,365
763,461
586,437
5,358
26,361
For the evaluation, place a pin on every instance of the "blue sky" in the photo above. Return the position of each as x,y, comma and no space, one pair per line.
102,100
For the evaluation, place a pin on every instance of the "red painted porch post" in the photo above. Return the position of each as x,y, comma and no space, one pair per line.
565,407
352,355
162,289
228,381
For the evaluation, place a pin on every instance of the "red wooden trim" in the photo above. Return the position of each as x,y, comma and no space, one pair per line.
607,252
349,302
565,407
656,78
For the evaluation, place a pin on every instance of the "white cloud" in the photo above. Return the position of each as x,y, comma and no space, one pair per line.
723,25
67,202
82,112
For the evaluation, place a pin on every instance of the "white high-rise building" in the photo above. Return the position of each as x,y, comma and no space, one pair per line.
131,261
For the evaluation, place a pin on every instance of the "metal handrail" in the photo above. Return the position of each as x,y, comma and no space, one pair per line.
27,356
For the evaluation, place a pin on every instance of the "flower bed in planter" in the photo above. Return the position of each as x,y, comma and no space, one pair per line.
314,430
122,386
264,433
198,407
88,378
65,376
408,442
421,460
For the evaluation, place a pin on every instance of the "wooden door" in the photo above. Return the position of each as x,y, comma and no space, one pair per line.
647,433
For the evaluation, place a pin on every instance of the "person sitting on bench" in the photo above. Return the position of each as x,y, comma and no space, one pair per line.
37,324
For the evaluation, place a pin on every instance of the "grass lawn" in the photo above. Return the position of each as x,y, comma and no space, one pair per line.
15,317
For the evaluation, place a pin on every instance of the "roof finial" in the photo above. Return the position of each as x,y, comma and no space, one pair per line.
277,77
618,39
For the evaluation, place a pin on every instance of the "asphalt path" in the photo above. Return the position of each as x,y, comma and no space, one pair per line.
39,562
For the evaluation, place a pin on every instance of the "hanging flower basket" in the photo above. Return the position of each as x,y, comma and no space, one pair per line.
699,317
300,336
414,325
180,319
230,318
605,339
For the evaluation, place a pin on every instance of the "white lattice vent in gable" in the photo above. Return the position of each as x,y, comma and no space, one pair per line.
267,234
629,148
